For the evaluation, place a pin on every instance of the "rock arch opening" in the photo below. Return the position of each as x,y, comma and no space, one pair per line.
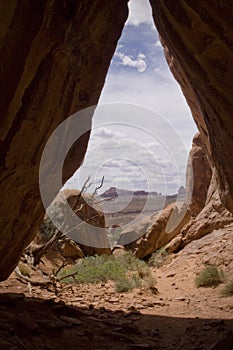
142,117
50,85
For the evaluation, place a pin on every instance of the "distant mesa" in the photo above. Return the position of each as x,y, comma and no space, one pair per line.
110,193
114,192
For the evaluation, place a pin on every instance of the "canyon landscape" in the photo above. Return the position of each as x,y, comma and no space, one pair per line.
165,280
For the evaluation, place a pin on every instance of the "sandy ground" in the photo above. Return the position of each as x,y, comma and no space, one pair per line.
179,316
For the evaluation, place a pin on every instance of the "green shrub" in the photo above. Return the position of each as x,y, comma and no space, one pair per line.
209,277
158,258
123,285
228,289
125,270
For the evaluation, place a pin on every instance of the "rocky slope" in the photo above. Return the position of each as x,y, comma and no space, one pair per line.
180,223
180,316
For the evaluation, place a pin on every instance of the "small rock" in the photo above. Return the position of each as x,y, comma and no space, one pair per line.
113,300
148,304
159,303
154,290
140,306
55,324
206,327
71,320
77,299
171,274
181,299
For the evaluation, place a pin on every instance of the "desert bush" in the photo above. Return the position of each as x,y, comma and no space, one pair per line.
114,236
123,285
158,258
228,289
209,277
125,270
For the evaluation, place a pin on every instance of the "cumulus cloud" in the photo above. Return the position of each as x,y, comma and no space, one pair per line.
139,12
139,62
105,132
142,56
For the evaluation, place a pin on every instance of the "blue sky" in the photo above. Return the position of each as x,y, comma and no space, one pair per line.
143,128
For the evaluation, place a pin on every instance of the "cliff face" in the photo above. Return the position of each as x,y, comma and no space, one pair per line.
198,176
54,59
198,40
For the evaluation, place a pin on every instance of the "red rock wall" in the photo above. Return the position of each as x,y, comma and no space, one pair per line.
198,40
54,59
198,176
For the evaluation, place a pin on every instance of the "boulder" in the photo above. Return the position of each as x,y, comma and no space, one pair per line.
212,217
71,250
198,176
81,219
155,231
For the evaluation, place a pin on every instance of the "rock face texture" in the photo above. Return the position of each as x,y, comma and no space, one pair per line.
54,59
198,176
83,232
199,45
204,214
154,232
212,217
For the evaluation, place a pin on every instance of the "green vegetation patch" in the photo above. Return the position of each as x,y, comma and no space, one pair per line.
125,270
228,289
209,277
158,258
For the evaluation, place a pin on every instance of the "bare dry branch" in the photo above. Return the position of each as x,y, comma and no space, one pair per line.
39,252
97,188
26,280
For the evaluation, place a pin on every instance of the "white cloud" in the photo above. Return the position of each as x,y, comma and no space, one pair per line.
158,44
142,56
106,133
139,62
151,145
139,12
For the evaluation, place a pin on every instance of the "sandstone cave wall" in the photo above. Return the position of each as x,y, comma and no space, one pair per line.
54,59
198,40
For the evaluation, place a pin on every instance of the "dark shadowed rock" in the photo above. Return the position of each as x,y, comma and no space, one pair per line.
54,59
198,41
